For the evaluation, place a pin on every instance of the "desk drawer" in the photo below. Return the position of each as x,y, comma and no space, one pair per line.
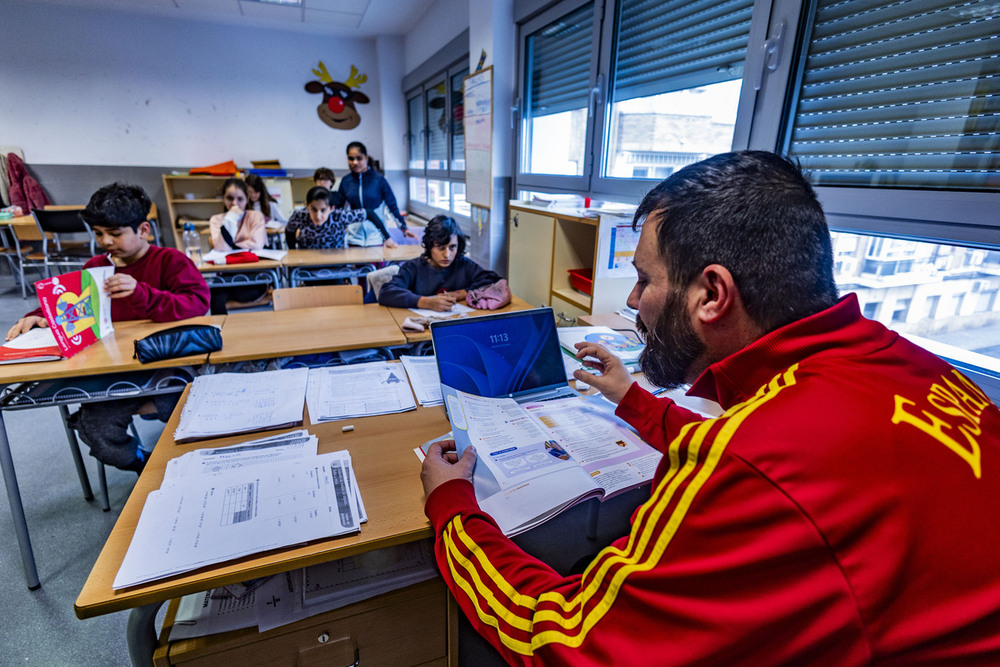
405,627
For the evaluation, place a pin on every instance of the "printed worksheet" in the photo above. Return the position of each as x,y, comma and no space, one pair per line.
212,518
229,403
359,390
424,378
220,460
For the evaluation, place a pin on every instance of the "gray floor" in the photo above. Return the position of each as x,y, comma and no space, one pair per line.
67,533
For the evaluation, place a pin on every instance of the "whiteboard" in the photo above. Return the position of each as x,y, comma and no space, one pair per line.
477,122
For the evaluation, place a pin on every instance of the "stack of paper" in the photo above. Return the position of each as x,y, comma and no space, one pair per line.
231,403
359,390
252,501
424,378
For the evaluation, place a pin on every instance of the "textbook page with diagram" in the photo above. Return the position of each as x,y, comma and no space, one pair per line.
537,459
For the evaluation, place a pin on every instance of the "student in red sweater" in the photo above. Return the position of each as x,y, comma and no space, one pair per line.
149,282
842,511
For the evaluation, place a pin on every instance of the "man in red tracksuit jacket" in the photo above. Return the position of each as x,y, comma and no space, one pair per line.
843,510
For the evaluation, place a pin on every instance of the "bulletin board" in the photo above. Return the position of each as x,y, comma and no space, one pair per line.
477,120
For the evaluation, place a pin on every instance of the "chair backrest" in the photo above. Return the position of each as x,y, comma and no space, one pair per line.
60,221
380,277
288,298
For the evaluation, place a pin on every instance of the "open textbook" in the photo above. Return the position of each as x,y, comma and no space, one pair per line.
625,345
537,459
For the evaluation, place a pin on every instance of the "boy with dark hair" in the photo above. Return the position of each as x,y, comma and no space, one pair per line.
440,277
149,282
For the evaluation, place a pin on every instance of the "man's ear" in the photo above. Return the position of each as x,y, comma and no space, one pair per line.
714,293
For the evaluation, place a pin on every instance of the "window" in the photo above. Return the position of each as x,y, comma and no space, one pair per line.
654,90
436,142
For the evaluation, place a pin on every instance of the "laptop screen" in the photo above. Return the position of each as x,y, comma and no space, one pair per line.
506,354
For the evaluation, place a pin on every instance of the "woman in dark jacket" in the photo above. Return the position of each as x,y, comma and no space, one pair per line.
367,189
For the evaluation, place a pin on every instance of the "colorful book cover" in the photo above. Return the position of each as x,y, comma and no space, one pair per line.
77,307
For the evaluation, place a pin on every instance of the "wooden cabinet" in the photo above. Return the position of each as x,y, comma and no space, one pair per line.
417,625
545,244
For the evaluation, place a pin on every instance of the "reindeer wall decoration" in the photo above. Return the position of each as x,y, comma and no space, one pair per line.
337,108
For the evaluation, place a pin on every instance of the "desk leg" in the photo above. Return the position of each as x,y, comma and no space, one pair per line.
141,634
17,509
74,448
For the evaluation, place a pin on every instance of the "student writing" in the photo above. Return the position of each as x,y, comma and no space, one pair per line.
440,277
149,282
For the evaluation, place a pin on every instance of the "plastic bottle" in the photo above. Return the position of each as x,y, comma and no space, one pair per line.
192,243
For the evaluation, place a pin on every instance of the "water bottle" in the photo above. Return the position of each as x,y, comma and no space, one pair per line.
192,243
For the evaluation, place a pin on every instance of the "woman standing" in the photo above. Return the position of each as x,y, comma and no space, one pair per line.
367,189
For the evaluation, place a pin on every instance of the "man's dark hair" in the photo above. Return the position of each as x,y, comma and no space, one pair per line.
439,232
756,214
117,205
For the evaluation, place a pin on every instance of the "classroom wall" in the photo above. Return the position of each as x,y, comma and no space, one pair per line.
95,95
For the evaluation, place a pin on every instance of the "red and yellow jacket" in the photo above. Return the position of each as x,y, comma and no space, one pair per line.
844,510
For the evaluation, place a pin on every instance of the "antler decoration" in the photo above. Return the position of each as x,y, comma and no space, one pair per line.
356,79
323,74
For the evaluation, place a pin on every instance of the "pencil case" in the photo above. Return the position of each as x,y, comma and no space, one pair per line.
180,341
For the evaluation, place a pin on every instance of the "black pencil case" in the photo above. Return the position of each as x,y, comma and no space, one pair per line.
179,341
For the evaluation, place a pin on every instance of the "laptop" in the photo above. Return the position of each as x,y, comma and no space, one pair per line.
504,355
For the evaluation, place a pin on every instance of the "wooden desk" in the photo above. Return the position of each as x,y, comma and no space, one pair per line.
388,476
112,354
284,333
262,272
328,263
400,314
612,320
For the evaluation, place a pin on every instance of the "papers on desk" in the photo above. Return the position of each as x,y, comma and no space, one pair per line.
231,403
424,378
196,520
38,344
360,390
295,595
457,309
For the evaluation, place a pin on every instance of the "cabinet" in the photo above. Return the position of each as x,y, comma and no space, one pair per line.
544,244
417,625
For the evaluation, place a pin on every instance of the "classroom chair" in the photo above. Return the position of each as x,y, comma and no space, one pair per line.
380,277
21,249
55,224
288,298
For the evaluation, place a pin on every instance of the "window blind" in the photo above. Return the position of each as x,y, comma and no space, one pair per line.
901,94
668,46
558,62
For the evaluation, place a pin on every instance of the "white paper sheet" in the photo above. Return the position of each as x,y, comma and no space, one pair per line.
229,403
214,518
457,309
359,390
208,461
424,378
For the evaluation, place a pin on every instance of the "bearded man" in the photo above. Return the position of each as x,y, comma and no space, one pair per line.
844,508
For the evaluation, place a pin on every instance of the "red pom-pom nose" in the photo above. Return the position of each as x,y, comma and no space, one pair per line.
336,104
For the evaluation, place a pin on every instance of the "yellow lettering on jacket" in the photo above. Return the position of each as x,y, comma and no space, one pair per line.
962,401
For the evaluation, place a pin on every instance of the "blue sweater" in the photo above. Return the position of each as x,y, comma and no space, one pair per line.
417,278
368,191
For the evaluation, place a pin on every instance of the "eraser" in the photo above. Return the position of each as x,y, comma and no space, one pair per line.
349,427
582,386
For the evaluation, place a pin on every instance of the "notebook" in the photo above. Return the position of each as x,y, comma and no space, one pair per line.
504,355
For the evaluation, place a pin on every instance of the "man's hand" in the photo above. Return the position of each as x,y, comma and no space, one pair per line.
443,465
439,302
120,285
26,324
614,380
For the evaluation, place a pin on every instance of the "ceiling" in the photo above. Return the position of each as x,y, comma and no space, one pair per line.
357,18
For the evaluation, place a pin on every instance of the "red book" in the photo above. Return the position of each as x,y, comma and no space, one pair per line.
77,308
37,345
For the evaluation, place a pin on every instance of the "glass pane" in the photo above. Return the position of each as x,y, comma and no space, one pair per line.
461,206
418,189
437,127
900,95
416,132
557,92
678,69
438,194
457,129
944,293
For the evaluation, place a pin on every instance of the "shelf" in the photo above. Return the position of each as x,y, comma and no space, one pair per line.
185,200
578,299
